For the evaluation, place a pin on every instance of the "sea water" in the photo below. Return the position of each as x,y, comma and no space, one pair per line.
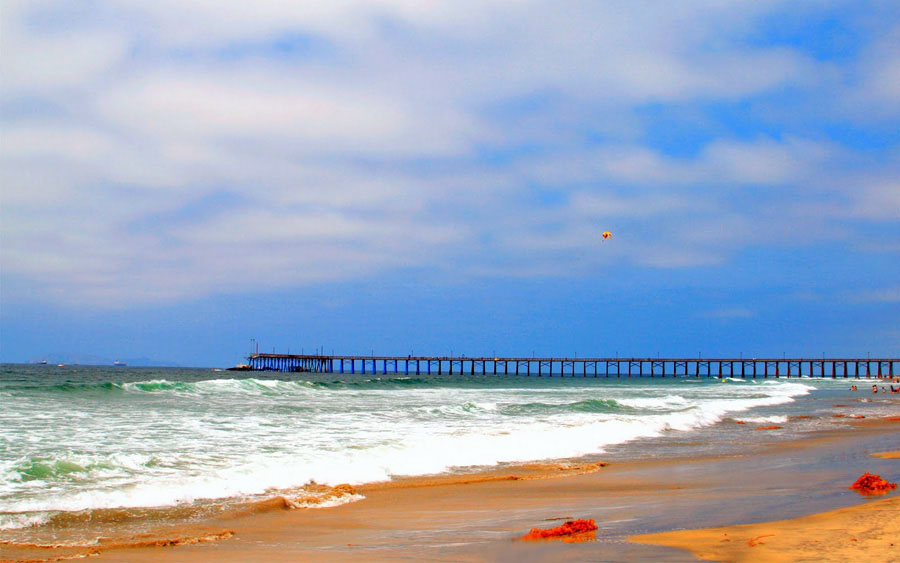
76,441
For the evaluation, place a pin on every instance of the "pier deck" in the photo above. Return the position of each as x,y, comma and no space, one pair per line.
581,367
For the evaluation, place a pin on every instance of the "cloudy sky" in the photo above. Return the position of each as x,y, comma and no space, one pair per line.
404,176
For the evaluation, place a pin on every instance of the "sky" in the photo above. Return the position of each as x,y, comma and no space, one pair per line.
186,181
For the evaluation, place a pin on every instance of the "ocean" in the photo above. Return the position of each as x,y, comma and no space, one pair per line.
83,447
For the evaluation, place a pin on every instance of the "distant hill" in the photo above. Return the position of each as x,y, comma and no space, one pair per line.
91,360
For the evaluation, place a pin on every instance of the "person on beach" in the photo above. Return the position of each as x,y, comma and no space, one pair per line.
853,387
874,388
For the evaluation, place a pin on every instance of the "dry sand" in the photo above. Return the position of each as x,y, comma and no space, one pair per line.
868,532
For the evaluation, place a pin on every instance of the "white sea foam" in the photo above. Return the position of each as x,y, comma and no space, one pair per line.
221,438
667,402
16,521
778,419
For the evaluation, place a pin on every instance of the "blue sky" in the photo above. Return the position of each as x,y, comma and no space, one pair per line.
178,178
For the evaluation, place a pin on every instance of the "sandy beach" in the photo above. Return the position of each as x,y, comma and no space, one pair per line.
868,532
786,501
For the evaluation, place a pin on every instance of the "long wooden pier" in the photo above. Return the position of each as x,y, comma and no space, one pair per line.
581,367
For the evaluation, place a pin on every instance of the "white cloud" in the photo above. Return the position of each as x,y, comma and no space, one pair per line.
404,134
878,201
729,313
762,162
61,61
877,80
611,206
261,107
881,295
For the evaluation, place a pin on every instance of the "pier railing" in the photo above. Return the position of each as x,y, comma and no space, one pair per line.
581,367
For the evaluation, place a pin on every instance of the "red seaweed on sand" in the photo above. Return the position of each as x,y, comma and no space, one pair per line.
869,484
773,427
572,528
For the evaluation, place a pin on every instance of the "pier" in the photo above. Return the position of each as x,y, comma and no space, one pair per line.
581,367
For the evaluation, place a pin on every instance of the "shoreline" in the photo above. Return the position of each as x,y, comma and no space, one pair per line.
479,516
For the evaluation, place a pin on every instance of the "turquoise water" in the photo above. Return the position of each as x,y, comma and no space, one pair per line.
76,440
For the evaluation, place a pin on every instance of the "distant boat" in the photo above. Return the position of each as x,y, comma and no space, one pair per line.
43,362
241,367
120,364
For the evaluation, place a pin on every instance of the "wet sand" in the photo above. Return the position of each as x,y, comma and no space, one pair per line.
480,517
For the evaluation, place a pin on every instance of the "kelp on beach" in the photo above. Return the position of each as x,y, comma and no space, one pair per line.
869,484
571,529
